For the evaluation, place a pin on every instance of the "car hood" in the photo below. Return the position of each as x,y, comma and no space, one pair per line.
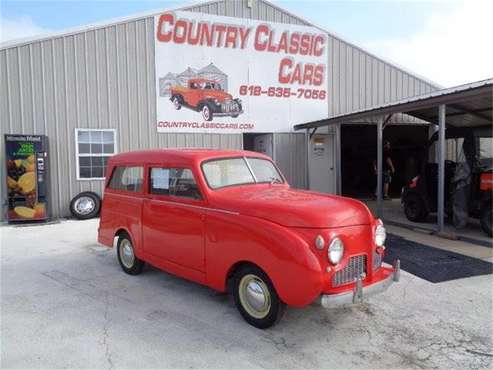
294,208
218,94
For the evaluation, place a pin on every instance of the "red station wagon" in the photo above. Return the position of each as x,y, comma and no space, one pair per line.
229,220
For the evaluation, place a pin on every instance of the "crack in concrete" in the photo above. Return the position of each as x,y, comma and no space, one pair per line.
107,352
428,352
479,353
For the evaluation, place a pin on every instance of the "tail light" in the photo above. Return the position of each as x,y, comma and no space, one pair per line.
414,182
486,181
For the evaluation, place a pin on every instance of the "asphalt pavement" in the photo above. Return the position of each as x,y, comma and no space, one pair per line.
65,303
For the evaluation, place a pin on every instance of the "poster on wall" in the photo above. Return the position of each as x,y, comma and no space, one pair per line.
220,74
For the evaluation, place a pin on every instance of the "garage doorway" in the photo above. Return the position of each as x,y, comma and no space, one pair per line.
359,150
262,143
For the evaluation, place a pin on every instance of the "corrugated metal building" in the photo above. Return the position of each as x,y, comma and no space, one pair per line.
103,76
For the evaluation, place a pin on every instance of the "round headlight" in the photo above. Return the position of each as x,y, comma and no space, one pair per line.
319,242
335,251
380,235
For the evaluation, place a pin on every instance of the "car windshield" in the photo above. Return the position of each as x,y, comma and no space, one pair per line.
211,86
239,171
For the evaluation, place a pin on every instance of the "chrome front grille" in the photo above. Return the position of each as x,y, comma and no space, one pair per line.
355,267
377,260
229,106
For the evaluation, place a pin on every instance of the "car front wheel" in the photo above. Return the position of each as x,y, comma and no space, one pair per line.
256,298
207,113
129,262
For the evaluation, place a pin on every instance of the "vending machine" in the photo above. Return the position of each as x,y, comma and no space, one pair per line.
27,177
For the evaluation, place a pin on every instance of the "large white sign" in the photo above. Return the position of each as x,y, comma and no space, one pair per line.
230,75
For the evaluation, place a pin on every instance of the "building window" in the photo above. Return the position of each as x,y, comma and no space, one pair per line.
93,149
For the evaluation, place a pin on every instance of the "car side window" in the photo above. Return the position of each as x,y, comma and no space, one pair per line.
179,182
127,178
159,179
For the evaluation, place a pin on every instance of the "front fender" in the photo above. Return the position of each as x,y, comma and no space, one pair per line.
292,266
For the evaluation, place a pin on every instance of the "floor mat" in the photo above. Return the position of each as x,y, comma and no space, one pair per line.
433,264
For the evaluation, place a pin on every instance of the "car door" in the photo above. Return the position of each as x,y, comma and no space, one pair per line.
195,94
174,217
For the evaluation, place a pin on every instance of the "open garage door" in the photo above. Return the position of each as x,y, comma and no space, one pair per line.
359,151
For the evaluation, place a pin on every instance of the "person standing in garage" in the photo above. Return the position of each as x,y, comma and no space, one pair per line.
388,170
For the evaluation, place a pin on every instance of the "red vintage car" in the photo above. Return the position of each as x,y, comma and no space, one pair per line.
229,220
206,96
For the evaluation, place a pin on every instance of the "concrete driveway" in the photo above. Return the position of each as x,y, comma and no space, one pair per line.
66,304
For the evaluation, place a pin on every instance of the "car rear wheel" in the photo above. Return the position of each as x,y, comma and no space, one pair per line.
129,262
85,205
487,219
207,113
256,298
177,103
414,208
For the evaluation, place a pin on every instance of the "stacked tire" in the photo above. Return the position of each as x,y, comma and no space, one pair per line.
85,205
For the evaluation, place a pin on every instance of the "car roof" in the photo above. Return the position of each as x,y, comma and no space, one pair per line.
179,155
201,80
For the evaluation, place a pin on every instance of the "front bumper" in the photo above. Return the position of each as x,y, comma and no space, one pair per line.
359,293
224,114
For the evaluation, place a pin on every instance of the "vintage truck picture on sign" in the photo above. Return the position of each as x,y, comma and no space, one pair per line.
232,75
204,91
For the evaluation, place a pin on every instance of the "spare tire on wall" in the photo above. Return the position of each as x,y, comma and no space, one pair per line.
85,205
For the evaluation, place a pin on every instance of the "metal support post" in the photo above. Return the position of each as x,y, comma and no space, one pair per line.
441,167
379,167
307,158
338,164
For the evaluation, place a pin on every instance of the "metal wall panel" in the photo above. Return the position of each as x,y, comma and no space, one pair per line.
101,78
105,78
290,156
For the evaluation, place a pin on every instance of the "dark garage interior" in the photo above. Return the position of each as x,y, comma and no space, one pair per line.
359,150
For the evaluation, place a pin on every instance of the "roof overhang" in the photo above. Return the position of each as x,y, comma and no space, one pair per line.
469,105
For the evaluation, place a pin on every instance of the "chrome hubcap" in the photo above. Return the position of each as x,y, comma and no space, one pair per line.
205,112
84,205
254,296
127,253
176,102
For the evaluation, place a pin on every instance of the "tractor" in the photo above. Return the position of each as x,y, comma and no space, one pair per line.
468,180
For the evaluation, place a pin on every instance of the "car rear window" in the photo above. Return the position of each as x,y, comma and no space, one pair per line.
127,178
179,182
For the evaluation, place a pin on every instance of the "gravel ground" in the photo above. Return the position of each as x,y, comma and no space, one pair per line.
65,303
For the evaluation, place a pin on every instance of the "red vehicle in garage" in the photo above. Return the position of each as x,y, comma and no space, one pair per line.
468,181
229,220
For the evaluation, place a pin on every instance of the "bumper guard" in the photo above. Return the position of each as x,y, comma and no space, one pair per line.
359,292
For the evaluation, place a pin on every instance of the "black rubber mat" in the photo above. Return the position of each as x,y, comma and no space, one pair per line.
433,264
